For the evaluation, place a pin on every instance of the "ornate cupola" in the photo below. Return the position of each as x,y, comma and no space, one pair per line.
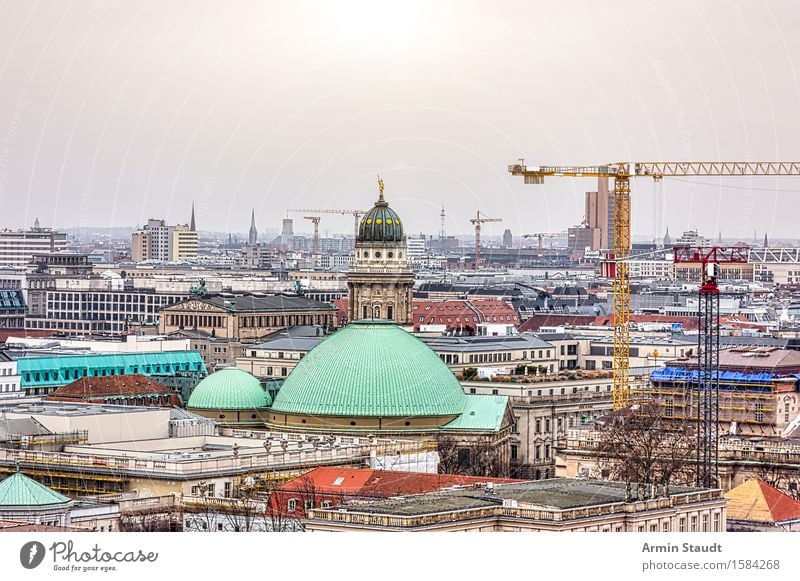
380,281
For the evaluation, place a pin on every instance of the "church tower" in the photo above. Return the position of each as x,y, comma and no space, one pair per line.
380,281
252,237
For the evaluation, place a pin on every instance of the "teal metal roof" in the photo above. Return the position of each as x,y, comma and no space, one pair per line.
229,389
19,490
55,370
371,368
482,413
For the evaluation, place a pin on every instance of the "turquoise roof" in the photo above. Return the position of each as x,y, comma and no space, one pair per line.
55,370
482,413
371,368
380,224
229,389
19,490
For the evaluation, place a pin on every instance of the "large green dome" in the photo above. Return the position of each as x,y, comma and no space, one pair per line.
380,224
371,368
229,389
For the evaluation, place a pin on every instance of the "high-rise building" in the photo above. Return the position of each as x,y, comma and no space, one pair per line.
17,247
157,241
598,219
380,280
287,234
508,239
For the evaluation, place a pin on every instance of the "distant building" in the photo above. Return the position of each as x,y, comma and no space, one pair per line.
17,247
157,241
508,239
599,217
415,247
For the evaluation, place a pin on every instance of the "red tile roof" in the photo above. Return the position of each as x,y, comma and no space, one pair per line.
755,500
97,389
458,314
363,483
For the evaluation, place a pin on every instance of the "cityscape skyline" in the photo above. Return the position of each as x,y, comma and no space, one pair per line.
294,114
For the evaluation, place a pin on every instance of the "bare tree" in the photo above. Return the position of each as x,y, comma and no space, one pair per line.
473,457
146,523
638,445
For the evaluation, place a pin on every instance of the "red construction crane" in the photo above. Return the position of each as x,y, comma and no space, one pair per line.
708,259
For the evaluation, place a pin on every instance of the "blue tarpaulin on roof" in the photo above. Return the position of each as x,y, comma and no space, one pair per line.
727,379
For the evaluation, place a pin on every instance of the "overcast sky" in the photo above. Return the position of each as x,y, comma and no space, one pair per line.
112,112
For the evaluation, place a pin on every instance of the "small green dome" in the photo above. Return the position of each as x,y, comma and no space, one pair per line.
380,224
229,389
371,368
19,490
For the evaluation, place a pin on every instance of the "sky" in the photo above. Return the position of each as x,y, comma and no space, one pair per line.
114,112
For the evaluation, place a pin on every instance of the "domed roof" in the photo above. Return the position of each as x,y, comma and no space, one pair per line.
381,223
229,389
19,490
371,368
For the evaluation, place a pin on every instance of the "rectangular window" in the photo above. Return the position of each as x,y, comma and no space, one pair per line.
705,523
513,452
716,522
682,524
693,528
538,426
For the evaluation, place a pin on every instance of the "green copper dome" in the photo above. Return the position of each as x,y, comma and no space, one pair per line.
371,368
19,490
380,224
229,389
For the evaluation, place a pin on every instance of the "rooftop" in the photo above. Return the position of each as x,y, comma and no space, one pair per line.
251,303
19,490
757,501
128,385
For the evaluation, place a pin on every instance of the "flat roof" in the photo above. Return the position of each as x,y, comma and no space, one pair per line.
58,408
554,494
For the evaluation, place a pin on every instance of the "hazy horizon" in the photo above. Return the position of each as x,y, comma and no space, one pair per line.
112,113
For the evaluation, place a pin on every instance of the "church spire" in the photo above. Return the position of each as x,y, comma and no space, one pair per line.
766,242
192,225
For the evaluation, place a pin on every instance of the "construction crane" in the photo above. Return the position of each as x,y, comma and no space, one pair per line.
709,259
355,213
622,172
477,221
541,235
314,241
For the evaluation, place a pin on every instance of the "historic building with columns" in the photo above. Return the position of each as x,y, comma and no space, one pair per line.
380,280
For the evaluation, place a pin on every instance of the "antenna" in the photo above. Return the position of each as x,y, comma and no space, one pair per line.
441,230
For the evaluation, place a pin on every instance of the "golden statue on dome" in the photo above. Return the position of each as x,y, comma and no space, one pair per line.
380,187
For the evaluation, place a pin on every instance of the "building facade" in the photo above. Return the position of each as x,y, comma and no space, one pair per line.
244,316
157,241
556,505
17,247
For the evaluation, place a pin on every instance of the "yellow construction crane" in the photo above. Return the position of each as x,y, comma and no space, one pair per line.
477,221
622,172
315,240
542,235
355,213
